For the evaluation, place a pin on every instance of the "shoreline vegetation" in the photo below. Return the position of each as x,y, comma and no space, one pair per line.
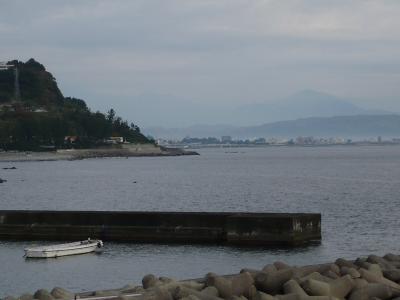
131,150
39,124
39,118
365,278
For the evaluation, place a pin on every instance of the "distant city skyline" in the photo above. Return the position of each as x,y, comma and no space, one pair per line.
178,63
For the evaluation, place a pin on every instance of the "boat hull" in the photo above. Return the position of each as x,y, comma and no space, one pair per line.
63,249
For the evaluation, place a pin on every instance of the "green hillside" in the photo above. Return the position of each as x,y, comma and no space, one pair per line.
37,86
41,117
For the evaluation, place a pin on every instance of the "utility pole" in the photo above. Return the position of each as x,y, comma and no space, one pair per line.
17,91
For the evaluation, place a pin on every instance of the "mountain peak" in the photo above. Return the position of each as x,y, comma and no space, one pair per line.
303,104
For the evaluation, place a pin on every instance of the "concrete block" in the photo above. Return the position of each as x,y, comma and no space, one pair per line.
43,294
60,293
272,283
369,291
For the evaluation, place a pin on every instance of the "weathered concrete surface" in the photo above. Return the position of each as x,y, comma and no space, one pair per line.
181,227
272,228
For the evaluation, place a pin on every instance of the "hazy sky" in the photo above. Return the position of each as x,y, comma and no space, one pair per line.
168,62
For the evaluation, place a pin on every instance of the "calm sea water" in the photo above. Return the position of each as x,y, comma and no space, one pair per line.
356,189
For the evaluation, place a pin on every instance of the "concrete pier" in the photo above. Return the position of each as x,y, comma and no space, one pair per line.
273,229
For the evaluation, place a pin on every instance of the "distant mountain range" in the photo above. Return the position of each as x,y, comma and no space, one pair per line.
304,104
305,113
358,126
173,111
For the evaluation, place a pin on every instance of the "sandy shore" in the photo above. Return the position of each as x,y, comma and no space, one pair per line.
74,154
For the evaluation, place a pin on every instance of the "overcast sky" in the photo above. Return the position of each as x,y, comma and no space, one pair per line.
168,62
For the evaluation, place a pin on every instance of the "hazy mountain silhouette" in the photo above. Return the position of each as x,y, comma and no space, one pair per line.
304,104
307,105
176,112
199,130
359,126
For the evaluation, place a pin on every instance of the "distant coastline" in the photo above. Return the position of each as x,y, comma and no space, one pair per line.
266,145
139,150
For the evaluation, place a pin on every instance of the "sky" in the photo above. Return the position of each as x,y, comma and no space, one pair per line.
180,62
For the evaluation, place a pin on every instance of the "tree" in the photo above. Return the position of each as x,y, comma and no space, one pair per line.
111,115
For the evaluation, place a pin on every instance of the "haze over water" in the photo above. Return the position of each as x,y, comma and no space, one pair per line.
355,189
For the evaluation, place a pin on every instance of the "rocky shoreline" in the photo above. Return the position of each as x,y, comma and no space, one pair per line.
141,150
365,278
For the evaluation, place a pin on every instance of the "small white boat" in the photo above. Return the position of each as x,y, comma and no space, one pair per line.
81,247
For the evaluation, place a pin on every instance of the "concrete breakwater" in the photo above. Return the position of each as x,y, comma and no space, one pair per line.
365,278
181,227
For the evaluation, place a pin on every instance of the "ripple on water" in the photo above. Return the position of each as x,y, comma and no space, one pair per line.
355,189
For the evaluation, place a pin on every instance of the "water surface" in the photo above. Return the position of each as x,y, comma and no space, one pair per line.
355,188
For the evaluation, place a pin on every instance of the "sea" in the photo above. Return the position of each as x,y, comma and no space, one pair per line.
355,188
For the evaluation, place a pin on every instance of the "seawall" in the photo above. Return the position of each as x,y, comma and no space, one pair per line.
365,278
275,229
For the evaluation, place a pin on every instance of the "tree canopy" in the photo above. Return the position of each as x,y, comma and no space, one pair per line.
43,117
